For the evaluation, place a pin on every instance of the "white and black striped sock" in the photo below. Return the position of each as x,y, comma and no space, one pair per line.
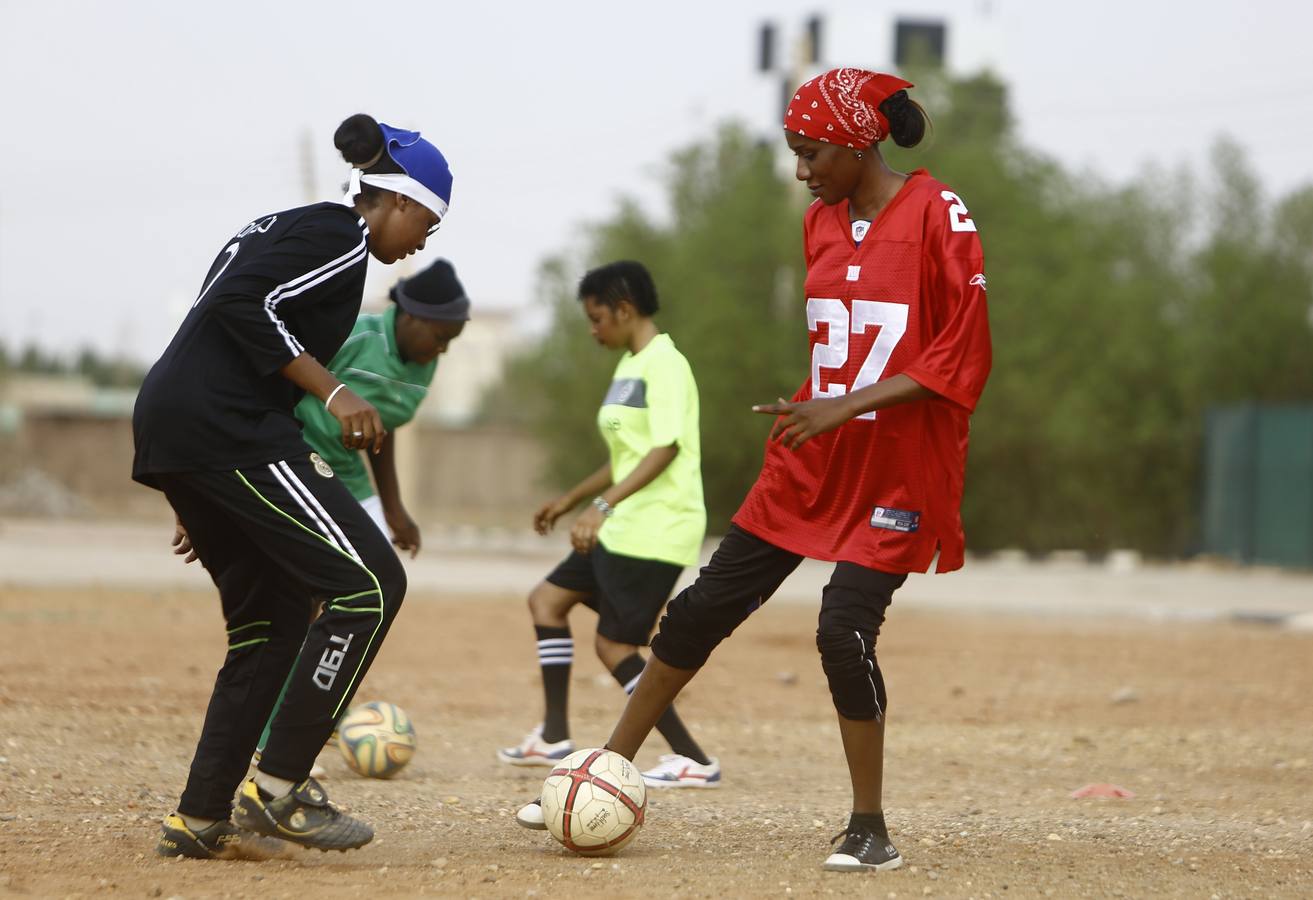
556,651
555,655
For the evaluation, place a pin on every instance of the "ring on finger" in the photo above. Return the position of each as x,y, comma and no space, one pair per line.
357,434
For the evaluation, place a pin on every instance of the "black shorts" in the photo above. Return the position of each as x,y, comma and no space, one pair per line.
626,593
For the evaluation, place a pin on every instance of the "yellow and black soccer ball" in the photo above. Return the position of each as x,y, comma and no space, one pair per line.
377,739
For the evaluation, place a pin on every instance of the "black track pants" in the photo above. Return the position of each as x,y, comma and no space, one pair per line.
276,539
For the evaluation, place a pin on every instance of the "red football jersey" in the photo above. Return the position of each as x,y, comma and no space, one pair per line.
884,490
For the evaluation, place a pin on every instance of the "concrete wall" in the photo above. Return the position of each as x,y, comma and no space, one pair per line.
61,463
485,476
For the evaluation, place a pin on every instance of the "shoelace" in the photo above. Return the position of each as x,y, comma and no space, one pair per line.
858,843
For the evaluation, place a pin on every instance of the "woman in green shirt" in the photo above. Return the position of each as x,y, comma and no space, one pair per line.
389,360
644,524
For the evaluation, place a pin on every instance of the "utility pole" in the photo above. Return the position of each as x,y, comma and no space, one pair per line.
308,182
804,56
789,62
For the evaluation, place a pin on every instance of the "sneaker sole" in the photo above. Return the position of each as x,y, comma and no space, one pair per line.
251,846
862,867
697,785
263,849
542,762
297,841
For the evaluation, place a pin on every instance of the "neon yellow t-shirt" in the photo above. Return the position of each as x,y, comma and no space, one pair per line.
653,402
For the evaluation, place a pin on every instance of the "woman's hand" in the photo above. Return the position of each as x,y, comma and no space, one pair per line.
405,533
182,541
583,534
362,427
545,518
801,421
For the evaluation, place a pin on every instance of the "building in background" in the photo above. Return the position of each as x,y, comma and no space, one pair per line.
66,444
939,35
473,364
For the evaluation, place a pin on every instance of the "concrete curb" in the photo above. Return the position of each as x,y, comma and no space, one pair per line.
81,554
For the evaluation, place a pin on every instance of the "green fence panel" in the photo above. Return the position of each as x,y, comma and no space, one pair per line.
1257,503
1283,528
1229,482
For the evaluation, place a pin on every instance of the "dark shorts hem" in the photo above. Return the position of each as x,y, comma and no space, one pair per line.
627,593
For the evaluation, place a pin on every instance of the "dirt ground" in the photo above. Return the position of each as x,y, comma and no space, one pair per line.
994,721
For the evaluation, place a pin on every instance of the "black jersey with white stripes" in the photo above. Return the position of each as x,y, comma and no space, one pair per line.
287,283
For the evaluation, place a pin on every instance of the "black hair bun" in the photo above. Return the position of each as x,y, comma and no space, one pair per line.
906,119
358,139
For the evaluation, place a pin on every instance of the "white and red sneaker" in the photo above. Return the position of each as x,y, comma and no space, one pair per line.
534,751
675,771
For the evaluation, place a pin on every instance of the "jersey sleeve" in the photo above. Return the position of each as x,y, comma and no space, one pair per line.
250,300
669,387
955,362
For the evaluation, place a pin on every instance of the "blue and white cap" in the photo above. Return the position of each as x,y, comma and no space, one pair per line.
427,179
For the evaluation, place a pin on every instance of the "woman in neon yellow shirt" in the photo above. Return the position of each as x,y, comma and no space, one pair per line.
644,524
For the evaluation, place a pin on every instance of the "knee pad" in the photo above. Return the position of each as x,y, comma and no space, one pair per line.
848,658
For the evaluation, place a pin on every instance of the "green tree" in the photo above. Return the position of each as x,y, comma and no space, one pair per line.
728,271
1119,313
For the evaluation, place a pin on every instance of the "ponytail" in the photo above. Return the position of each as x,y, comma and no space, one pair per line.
907,119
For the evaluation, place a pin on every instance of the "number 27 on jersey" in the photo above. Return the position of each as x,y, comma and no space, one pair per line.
832,353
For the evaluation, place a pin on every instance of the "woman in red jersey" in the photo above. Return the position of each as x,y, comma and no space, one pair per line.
864,466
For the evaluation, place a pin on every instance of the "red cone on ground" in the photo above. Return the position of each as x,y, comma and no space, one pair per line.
1102,789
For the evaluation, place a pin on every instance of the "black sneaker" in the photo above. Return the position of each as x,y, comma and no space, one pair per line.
303,816
862,848
222,840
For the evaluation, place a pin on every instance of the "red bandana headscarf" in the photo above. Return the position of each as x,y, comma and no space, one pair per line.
843,107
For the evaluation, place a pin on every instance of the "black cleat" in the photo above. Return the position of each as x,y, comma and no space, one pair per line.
222,840
303,816
863,848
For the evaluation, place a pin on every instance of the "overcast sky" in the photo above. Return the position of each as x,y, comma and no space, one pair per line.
137,136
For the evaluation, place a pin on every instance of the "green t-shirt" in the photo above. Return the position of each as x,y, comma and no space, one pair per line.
653,402
369,364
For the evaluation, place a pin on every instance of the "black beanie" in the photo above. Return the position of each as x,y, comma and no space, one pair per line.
435,293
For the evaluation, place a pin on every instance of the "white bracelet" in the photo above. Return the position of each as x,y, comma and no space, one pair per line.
606,509
334,394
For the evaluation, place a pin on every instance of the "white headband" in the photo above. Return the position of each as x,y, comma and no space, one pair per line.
398,183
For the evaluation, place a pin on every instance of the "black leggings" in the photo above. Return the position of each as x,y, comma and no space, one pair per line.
742,575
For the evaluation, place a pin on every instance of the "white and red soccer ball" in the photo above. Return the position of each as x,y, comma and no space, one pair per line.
594,802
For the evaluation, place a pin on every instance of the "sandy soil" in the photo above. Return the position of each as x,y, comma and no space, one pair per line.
993,723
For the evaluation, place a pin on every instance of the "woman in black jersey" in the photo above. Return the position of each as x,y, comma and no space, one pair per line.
215,432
